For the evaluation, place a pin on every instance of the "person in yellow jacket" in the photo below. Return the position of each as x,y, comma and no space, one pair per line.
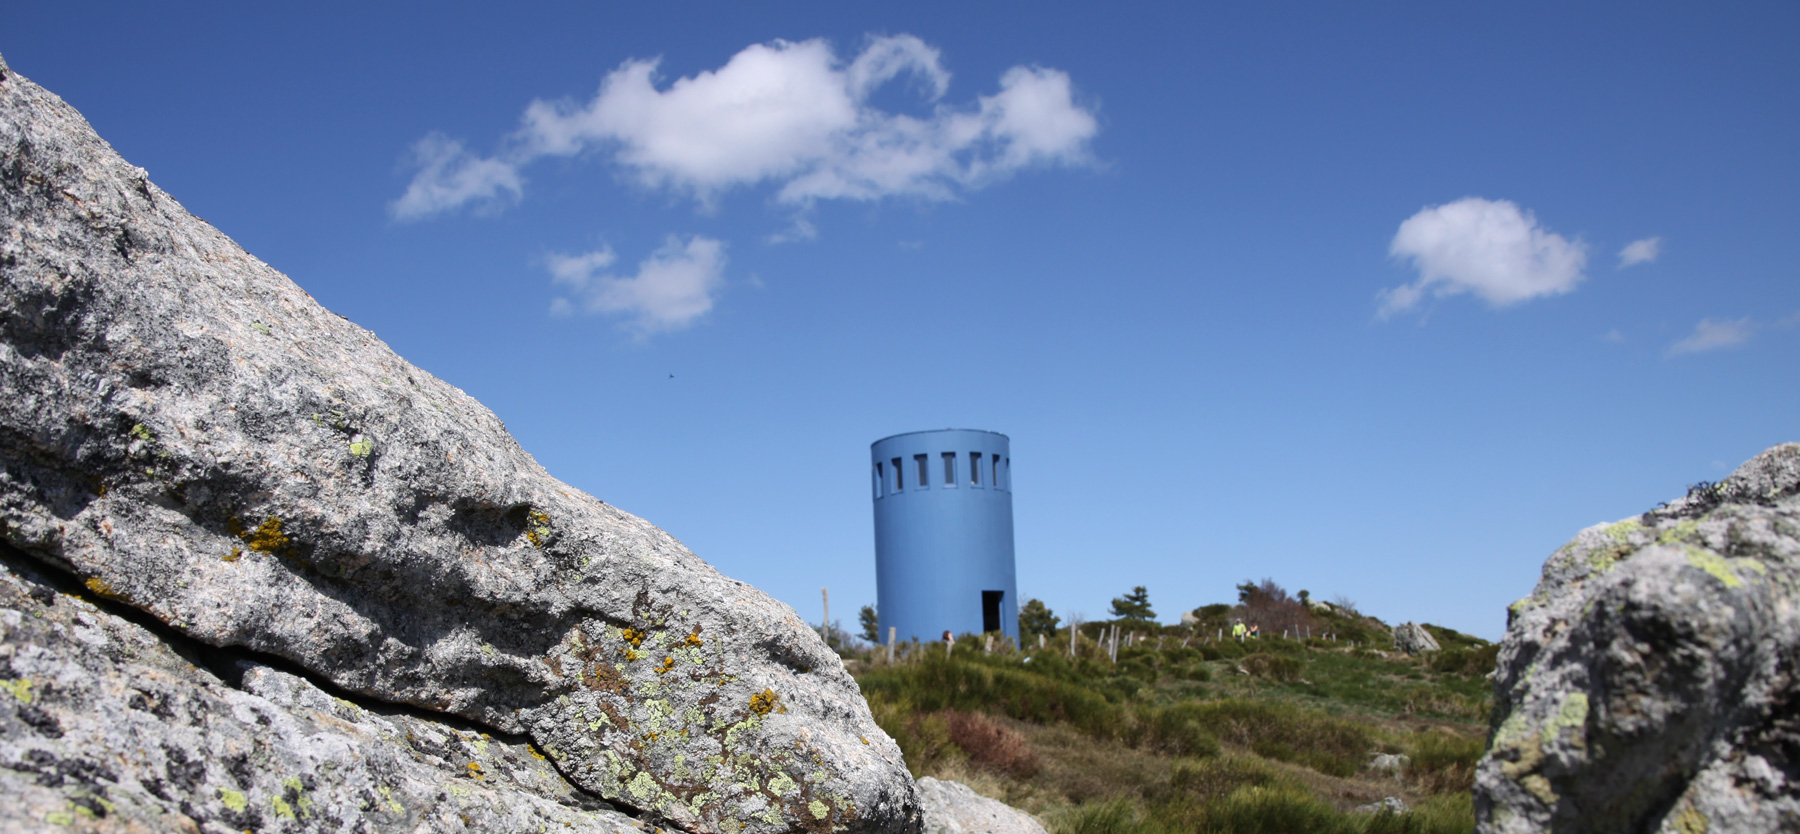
1238,631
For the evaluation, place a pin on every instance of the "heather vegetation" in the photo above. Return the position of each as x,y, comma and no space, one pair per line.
1184,729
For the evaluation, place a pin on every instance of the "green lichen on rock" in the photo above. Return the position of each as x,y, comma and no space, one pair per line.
234,800
1714,564
19,687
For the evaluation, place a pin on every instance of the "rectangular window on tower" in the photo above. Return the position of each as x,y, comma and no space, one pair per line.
975,469
924,470
950,469
899,483
877,480
990,610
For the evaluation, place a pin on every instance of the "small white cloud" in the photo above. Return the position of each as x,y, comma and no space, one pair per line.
450,176
791,114
1614,336
676,285
1713,335
1640,252
1487,247
801,229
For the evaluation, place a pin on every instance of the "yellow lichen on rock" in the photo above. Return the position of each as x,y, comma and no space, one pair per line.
762,703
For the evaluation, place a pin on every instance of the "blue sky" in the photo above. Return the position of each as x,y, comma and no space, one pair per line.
1383,301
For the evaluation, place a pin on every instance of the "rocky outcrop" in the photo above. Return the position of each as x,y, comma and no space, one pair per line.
108,721
1412,638
186,433
1648,683
953,808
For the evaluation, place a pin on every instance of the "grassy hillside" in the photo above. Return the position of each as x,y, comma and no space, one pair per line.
1270,735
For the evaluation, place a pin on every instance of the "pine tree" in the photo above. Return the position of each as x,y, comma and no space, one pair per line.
871,626
1134,607
1036,618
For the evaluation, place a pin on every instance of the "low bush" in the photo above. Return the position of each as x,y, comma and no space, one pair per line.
991,745
936,684
1442,762
1288,733
924,738
1179,729
1272,667
1474,662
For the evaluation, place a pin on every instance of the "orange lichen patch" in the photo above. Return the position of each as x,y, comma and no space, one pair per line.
763,703
475,769
693,639
100,588
631,655
539,531
667,664
534,752
633,636
235,554
267,537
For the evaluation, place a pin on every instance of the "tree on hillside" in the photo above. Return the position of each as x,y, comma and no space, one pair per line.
1036,618
1268,605
1134,607
871,625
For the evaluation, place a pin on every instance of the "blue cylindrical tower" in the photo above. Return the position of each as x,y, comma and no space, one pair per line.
944,534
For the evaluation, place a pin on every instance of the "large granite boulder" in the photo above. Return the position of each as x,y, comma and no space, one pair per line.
1648,683
186,432
955,808
1412,638
107,722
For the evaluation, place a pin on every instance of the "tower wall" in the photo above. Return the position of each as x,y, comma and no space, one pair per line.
944,544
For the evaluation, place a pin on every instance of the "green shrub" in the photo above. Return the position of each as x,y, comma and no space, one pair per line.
1273,810
1288,733
924,739
972,686
1272,667
1211,778
1473,662
1179,729
1114,816
1444,763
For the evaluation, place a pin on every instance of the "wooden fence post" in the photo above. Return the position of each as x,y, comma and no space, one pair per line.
891,631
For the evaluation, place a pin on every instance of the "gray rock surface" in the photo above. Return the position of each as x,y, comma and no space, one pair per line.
1387,804
1390,764
953,808
186,432
104,722
1648,683
1412,638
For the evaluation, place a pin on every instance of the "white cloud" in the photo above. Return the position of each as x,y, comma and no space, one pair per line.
800,229
674,286
1487,247
1640,252
791,114
1713,335
450,176
1614,336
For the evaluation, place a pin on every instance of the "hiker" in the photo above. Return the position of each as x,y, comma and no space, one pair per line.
949,639
1238,631
1255,631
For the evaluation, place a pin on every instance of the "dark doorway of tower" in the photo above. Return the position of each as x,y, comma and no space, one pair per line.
990,610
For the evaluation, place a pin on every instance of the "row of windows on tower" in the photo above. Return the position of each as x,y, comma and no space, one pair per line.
896,475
